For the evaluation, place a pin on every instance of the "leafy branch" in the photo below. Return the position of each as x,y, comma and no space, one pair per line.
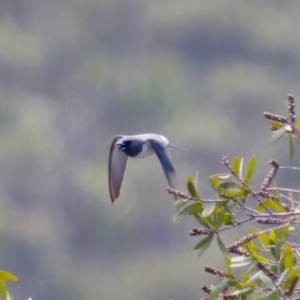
269,258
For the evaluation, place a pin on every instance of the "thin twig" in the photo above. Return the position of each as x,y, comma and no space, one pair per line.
237,223
288,198
283,214
290,168
283,189
249,209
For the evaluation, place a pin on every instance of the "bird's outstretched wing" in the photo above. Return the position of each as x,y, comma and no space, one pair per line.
116,169
162,155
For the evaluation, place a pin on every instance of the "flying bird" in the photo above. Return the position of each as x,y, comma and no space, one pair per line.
137,146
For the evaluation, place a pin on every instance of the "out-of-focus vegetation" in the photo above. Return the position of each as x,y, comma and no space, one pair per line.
75,73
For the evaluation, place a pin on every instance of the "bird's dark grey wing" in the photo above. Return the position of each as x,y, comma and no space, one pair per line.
161,153
116,169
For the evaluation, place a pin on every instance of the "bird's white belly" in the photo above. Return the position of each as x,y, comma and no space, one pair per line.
146,151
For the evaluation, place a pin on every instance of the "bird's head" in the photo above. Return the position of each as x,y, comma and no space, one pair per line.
123,145
130,146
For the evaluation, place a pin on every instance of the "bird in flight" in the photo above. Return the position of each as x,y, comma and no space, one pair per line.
137,146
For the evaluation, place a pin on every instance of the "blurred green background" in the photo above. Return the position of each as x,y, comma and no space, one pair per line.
73,74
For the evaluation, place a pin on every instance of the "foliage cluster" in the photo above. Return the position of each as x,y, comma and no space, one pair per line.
264,263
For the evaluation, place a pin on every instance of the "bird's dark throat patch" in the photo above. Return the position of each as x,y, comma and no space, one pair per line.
131,148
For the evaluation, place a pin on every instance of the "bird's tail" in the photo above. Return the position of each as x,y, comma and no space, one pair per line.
176,147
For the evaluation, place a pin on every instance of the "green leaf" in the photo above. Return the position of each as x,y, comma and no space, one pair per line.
245,276
267,281
278,134
282,277
219,216
208,210
243,292
224,176
282,233
219,288
237,259
272,236
266,295
227,262
291,278
270,204
240,174
260,259
191,187
8,276
298,126
180,203
4,277
235,165
216,179
228,219
211,222
185,210
254,277
250,169
260,276
288,255
231,190
276,248
222,246
251,248
276,125
264,239
291,144
179,217
223,215
204,223
240,261
204,244
3,289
